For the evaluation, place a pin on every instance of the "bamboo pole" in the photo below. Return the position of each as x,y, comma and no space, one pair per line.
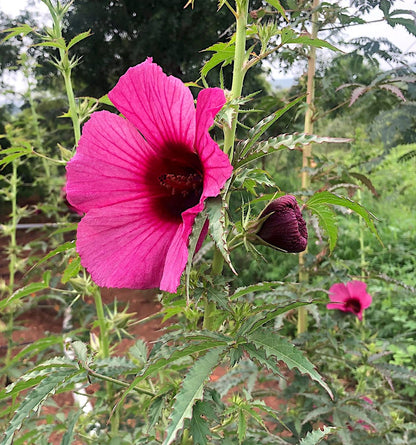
307,151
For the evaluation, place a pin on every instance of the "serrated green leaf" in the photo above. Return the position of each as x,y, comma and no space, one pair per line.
276,4
290,36
62,248
35,398
260,356
17,30
155,411
17,153
327,221
35,375
36,347
289,141
242,426
68,436
112,366
78,38
315,437
80,350
251,178
223,53
191,390
197,229
175,354
72,269
139,351
258,287
329,198
59,43
256,321
282,349
199,428
261,127
23,292
216,217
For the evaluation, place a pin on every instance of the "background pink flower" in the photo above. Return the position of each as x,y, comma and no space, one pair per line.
142,180
350,297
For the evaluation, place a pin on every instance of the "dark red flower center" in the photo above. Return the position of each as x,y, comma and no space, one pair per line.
177,180
183,184
354,305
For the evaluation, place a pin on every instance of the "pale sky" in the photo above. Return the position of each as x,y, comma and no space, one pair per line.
398,35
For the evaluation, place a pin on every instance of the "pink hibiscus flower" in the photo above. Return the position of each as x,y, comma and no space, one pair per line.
350,297
141,181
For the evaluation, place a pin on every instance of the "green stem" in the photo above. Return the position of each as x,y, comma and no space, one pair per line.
65,69
102,323
210,307
72,104
105,353
12,260
13,243
39,141
239,71
361,238
119,382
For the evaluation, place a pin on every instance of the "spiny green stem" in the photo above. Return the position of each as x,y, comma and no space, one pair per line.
72,104
239,72
119,382
35,124
105,353
361,238
12,243
210,307
66,69
12,259
102,323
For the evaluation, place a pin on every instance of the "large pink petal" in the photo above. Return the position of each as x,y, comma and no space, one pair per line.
121,246
217,167
161,107
177,255
340,306
358,289
338,292
110,164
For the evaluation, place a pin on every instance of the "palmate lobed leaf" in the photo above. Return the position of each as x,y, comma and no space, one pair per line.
283,350
192,390
326,219
223,54
327,198
199,427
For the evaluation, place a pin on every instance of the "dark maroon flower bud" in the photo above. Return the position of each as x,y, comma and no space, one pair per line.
285,227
